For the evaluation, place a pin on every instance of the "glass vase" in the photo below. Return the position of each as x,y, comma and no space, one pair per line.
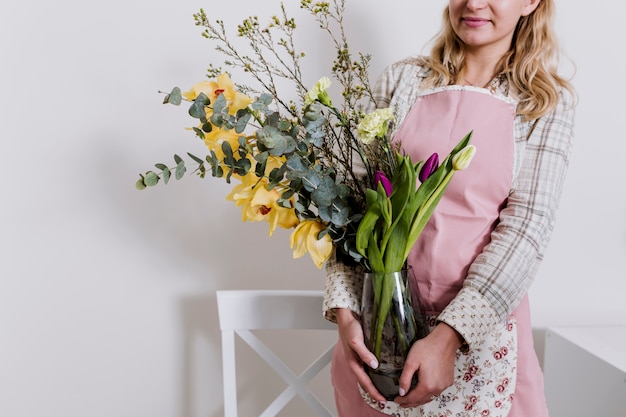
393,319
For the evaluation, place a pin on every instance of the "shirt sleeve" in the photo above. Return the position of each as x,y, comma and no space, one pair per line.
343,289
502,273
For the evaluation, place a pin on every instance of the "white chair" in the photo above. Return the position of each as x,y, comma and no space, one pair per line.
241,311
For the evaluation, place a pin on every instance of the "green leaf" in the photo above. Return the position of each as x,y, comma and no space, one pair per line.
394,251
151,178
242,121
207,128
161,166
275,141
166,175
368,222
220,120
195,158
220,105
462,143
243,166
325,192
197,107
287,194
140,184
277,175
216,169
373,254
199,132
266,99
175,97
337,213
180,170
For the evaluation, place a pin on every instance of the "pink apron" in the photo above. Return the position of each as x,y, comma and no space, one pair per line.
502,376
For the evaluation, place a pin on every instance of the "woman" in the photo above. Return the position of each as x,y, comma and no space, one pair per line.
492,70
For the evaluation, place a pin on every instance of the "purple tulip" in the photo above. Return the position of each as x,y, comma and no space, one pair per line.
429,167
380,178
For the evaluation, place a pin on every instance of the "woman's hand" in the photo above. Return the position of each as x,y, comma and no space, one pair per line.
351,337
432,358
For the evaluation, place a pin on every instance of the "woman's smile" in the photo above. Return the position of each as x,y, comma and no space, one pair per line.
475,22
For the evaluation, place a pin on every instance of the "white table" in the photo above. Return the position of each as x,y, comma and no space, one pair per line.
585,371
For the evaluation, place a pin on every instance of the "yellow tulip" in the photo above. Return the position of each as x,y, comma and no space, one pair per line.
305,239
223,85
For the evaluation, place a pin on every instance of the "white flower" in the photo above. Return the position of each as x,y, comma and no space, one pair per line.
462,159
318,92
374,125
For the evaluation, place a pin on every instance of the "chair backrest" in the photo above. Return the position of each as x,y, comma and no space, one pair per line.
241,311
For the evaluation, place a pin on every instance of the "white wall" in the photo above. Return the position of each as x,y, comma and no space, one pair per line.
107,303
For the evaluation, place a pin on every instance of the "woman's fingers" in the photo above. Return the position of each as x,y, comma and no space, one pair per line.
432,358
356,353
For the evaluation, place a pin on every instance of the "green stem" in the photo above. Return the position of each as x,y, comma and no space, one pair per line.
356,143
423,214
386,296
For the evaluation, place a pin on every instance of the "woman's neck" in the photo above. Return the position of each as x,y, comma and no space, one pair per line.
478,71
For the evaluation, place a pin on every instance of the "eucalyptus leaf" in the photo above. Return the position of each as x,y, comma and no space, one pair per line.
180,170
311,181
195,158
288,194
299,206
174,97
285,126
274,141
151,178
340,213
207,128
229,159
325,192
277,175
140,184
243,166
296,165
199,132
220,104
272,119
196,110
216,169
242,122
219,120
166,175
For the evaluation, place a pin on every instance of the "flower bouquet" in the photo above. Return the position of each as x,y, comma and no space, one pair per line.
329,172
396,214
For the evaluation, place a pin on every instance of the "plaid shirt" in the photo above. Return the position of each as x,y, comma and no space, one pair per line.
502,273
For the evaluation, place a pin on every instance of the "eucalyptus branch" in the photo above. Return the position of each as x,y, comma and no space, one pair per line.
307,151
228,49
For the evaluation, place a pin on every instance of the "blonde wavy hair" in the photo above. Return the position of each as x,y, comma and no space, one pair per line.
530,65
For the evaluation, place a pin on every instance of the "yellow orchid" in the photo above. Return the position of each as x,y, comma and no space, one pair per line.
223,85
305,239
214,139
260,204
